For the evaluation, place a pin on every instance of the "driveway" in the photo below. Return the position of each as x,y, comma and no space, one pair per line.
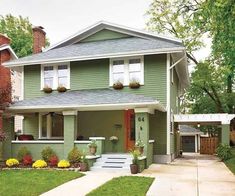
193,175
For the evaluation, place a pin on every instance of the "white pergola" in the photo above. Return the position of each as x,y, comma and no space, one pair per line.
208,119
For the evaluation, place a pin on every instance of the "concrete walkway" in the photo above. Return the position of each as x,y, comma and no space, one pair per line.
83,185
194,175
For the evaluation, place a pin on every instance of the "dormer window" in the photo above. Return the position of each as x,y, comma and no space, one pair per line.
55,75
126,70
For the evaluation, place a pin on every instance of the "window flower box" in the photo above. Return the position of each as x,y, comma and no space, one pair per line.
47,89
61,89
118,85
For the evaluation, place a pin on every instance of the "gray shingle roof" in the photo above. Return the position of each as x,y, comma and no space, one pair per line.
84,98
105,47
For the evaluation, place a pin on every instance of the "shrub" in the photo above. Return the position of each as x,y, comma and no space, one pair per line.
74,155
53,161
22,152
224,151
27,160
63,164
39,164
92,144
47,153
12,162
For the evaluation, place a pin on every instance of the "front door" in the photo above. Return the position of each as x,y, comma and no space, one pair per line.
130,129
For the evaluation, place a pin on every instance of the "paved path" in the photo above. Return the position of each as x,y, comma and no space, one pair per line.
83,185
193,175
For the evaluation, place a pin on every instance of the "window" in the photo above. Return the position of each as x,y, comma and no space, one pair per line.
55,75
126,70
51,125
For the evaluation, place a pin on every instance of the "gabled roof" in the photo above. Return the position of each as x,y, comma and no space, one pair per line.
113,27
8,47
84,100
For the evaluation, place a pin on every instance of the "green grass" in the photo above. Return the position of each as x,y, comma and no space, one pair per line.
231,162
32,182
124,186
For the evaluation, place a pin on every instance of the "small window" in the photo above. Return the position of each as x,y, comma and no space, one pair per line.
118,71
135,70
55,75
126,70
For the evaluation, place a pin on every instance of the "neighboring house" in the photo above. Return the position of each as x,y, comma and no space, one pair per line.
6,54
88,64
190,138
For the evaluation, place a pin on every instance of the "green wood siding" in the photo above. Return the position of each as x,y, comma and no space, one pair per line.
89,74
104,35
158,132
102,124
30,125
94,74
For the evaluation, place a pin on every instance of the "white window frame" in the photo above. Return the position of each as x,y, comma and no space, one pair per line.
126,69
48,130
55,77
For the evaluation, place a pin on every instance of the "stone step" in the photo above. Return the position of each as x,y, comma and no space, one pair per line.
110,169
111,159
120,156
112,164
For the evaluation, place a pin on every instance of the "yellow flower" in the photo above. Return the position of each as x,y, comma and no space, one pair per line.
63,164
12,162
39,164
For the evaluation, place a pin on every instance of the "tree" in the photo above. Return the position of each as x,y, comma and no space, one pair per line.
19,29
190,20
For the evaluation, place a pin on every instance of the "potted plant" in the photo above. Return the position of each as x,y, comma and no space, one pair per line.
118,85
134,84
134,166
139,145
92,147
47,89
83,163
61,89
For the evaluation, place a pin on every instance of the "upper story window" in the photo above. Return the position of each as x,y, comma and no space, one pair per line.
55,75
126,70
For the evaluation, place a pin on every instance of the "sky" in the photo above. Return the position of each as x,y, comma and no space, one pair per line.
62,18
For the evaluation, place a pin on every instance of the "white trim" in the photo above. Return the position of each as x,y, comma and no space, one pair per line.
168,106
55,77
70,113
82,142
196,143
96,138
204,118
111,26
144,110
37,142
99,56
22,83
155,105
172,66
151,141
92,156
142,158
40,125
4,47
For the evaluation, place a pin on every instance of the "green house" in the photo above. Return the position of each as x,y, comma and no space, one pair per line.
150,72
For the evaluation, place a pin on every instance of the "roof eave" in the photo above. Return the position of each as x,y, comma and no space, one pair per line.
100,56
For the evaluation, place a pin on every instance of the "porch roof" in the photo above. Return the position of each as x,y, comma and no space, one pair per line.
87,100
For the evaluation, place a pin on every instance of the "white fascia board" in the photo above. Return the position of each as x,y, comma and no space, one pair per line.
8,47
109,25
90,57
121,106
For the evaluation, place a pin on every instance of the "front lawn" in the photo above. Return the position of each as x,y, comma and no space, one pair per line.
231,162
126,185
32,182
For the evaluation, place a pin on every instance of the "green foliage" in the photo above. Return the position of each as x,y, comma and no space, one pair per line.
92,144
19,29
33,182
74,155
22,152
125,185
47,153
224,152
135,154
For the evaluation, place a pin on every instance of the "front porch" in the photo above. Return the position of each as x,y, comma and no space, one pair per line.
63,128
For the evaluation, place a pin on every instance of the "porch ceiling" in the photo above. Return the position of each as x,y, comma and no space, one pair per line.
86,100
